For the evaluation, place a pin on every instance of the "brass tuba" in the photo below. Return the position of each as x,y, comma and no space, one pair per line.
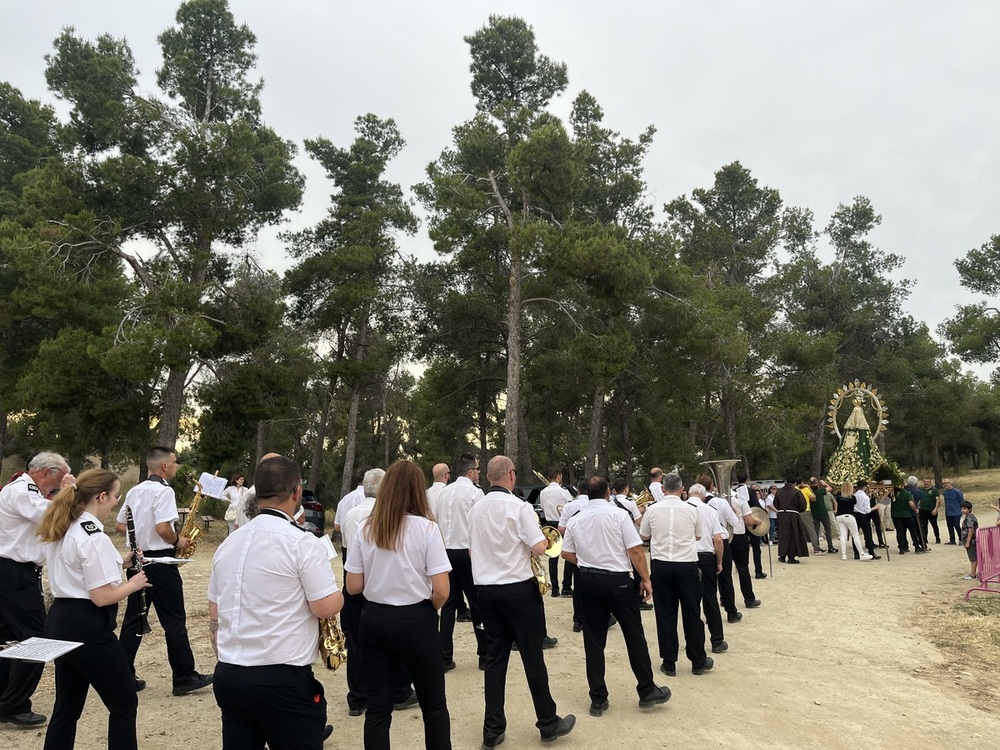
554,549
190,528
332,650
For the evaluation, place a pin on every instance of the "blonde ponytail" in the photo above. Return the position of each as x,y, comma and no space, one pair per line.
71,501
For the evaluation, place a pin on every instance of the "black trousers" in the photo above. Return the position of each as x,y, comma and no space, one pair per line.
571,576
755,541
708,567
676,583
954,527
279,704
601,595
906,526
166,595
461,581
876,522
404,636
100,662
865,527
22,615
925,518
740,550
727,594
554,575
513,613
357,670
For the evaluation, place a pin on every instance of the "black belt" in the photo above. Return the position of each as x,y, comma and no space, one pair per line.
169,552
601,572
33,566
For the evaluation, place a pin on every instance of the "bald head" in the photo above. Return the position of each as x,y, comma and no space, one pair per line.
440,473
267,456
500,472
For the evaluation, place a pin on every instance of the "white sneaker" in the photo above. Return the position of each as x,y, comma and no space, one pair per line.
865,557
843,557
967,577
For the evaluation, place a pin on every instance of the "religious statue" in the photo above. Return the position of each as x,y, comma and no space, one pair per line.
857,456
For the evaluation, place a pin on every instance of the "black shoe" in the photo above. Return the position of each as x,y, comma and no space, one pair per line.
707,667
720,648
874,556
449,665
655,697
549,642
760,576
754,603
562,728
482,665
327,732
949,542
140,685
735,617
356,711
669,669
598,709
467,617
793,561
833,551
27,719
567,593
555,593
781,558
197,682
494,741
612,621
577,627
411,701
645,606
903,551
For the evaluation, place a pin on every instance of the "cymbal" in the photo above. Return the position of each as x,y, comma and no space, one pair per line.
764,526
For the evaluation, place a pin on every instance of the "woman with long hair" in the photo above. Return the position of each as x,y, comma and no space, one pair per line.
235,494
398,560
85,575
846,521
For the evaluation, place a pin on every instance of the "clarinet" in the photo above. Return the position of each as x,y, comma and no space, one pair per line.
136,567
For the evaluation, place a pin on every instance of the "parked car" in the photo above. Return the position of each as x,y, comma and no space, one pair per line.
315,519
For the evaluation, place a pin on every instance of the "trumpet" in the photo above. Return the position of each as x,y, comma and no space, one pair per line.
554,549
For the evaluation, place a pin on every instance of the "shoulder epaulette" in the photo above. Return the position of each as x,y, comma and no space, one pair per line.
90,527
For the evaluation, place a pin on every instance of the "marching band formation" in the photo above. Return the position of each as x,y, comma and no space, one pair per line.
412,557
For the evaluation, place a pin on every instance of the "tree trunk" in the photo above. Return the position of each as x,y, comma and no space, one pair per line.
729,420
319,447
936,459
173,404
817,453
351,441
524,465
512,427
258,444
596,429
483,423
627,448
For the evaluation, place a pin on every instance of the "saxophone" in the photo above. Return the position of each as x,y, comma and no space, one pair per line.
190,528
332,650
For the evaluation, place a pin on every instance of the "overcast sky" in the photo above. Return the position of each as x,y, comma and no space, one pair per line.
823,101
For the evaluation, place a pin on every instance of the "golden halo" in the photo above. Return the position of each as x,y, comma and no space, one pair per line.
867,395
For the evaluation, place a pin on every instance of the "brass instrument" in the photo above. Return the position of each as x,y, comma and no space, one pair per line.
554,549
332,649
541,477
722,469
190,528
643,499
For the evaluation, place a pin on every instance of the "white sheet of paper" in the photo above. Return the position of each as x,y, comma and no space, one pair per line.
39,649
212,486
165,560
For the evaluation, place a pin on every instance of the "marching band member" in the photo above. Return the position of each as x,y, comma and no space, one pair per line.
552,496
85,575
398,560
604,543
154,511
504,535
271,579
23,503
710,556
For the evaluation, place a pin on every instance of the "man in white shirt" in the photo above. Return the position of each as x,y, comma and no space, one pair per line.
656,483
571,573
740,543
504,534
553,499
23,502
710,556
604,543
727,593
347,502
154,510
264,614
451,509
441,473
863,514
673,529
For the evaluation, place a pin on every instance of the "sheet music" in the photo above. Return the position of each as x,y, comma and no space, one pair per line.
212,486
165,560
39,649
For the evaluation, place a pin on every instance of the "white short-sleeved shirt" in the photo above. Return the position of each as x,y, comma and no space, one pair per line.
353,519
864,502
503,529
433,491
712,524
630,504
550,498
263,577
600,535
672,525
726,515
83,560
21,509
740,504
152,502
451,511
571,508
656,490
347,502
401,576
768,502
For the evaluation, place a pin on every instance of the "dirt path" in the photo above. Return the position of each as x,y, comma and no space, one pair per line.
835,658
